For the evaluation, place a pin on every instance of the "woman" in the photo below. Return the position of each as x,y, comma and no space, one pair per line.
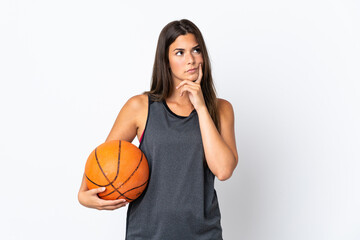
187,135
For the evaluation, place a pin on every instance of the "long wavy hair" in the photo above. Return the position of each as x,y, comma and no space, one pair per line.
161,81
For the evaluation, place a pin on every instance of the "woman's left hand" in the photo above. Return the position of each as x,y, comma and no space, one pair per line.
194,89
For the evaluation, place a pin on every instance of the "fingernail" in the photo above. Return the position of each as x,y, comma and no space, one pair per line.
103,189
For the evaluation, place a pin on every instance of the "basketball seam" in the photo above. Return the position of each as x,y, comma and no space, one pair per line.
116,189
110,183
117,173
134,188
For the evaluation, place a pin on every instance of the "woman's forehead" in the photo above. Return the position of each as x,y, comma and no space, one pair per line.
185,41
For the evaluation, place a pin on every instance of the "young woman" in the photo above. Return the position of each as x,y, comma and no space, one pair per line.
187,135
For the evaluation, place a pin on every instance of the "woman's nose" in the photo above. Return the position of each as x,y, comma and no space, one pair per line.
190,59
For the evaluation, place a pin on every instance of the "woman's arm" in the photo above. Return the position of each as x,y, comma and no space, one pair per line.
124,128
220,149
90,199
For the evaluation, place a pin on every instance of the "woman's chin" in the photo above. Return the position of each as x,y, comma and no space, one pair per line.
193,77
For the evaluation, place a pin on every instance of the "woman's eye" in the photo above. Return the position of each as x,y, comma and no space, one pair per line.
197,50
179,53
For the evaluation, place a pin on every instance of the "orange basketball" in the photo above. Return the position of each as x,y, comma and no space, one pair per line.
119,166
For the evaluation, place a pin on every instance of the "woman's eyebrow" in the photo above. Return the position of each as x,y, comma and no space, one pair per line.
182,49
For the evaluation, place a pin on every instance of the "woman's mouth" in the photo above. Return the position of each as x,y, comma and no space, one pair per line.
193,70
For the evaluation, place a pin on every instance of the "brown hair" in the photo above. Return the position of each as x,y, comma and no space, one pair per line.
161,82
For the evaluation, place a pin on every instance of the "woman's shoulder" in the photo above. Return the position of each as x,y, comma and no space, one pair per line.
138,101
224,105
225,110
136,106
130,116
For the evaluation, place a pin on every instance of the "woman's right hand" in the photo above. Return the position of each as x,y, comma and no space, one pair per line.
90,199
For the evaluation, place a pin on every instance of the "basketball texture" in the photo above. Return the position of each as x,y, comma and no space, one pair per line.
119,166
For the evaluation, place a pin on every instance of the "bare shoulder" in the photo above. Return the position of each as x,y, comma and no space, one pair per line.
137,102
225,108
130,117
137,107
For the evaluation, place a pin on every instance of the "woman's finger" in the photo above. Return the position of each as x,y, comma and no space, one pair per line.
114,206
189,89
198,80
186,82
107,203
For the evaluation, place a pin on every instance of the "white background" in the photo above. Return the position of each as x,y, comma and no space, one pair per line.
289,68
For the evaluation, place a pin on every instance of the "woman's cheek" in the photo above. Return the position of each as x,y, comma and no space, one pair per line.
179,66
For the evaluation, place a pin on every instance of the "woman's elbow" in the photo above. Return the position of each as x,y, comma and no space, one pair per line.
223,177
226,174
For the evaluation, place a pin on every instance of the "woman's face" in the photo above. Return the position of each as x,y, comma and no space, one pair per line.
184,58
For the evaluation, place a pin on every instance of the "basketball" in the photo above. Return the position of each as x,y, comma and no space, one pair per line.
119,166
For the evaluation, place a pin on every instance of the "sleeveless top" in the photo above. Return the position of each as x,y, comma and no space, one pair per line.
180,201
